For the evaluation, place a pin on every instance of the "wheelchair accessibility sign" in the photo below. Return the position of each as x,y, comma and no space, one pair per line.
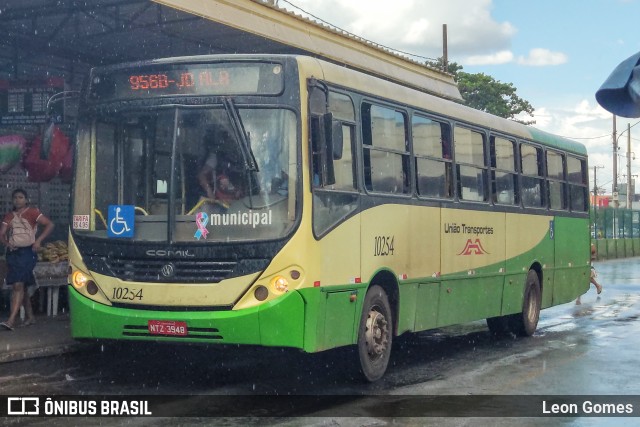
121,219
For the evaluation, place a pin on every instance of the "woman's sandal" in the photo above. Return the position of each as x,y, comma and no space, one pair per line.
6,326
30,322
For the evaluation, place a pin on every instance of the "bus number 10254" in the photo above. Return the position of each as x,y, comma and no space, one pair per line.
127,294
383,245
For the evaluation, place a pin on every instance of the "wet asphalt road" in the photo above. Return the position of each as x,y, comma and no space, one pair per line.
589,348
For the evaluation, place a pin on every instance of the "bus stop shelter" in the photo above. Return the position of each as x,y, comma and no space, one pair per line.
66,37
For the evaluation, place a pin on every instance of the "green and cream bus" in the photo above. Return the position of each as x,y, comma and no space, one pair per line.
364,209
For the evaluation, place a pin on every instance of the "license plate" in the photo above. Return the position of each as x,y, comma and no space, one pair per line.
167,327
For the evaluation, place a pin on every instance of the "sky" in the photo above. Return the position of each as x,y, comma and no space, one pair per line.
557,53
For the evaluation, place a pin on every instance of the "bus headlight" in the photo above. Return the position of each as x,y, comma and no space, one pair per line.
79,279
280,284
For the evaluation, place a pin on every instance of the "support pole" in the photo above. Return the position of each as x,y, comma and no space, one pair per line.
629,178
615,164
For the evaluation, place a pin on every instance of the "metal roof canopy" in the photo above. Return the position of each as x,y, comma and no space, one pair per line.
66,37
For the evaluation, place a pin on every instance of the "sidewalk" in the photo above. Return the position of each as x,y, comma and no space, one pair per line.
50,336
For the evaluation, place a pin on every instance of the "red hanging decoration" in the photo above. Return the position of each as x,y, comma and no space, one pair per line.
47,155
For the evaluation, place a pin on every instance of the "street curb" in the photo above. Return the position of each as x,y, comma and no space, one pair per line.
36,353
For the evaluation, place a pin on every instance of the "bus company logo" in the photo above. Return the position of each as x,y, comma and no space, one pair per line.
169,253
23,406
168,270
473,248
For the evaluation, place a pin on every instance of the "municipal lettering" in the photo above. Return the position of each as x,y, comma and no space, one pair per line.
251,218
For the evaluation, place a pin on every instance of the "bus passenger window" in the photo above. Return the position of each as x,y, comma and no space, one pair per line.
471,169
532,179
578,183
341,106
432,150
386,153
503,171
344,167
556,181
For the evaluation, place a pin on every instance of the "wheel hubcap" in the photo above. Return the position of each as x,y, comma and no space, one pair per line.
532,312
376,334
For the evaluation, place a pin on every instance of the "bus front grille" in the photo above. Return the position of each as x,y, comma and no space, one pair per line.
174,270
152,270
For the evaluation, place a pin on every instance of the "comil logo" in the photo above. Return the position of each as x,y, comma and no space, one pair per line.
23,406
168,270
473,248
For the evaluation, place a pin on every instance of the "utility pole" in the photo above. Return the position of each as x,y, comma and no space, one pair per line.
614,190
445,49
595,182
629,178
595,200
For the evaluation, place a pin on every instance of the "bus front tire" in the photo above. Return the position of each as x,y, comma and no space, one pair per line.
375,334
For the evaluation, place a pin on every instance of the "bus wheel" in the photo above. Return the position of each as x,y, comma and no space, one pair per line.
375,334
525,323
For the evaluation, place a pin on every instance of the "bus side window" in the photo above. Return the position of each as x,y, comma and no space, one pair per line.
578,183
432,150
532,179
334,201
385,150
504,177
470,164
344,167
556,186
341,106
317,108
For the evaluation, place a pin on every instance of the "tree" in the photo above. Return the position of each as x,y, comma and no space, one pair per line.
483,92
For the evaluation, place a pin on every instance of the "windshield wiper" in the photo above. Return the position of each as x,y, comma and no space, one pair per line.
241,136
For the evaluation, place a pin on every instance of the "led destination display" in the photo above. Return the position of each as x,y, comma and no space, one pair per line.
189,79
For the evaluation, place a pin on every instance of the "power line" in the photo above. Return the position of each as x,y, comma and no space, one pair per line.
355,35
592,137
608,135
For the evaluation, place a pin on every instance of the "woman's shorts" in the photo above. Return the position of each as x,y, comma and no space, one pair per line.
20,265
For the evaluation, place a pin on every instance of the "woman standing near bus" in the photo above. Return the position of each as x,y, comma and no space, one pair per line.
18,234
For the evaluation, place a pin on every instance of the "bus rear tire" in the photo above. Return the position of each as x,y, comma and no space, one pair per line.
375,334
525,323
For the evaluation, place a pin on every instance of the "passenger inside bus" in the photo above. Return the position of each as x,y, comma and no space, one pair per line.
219,176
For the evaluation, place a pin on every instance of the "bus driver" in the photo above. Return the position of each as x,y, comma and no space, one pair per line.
214,178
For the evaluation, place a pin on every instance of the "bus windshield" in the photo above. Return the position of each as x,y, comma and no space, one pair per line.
220,173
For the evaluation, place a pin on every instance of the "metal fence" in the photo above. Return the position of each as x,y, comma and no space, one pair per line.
612,223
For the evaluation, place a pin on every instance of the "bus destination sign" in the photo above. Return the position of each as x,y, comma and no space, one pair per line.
188,79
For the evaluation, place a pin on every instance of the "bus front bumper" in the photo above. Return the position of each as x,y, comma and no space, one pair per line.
276,323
